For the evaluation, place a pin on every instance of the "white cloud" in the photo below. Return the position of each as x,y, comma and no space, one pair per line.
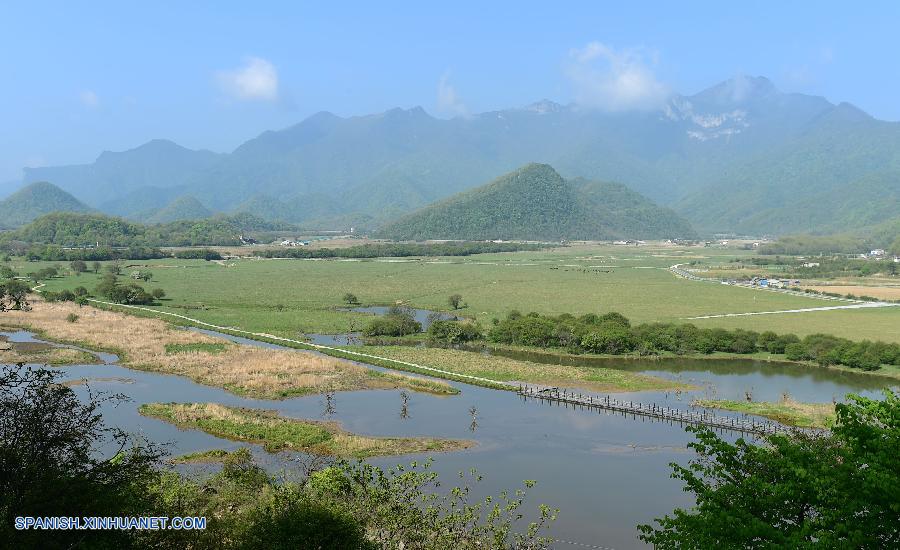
89,99
448,101
611,80
255,80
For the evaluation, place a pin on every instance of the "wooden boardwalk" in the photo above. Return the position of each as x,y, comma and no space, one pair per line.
650,410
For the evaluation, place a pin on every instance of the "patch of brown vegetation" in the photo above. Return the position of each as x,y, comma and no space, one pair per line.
880,292
241,369
42,354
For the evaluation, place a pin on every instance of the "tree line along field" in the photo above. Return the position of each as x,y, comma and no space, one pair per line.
286,297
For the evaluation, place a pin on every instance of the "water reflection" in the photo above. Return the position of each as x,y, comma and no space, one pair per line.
404,405
330,408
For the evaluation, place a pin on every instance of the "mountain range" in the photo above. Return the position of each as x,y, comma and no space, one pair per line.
741,156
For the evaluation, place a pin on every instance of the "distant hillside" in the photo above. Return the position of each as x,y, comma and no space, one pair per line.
182,208
35,200
296,209
68,229
138,202
536,203
842,174
158,163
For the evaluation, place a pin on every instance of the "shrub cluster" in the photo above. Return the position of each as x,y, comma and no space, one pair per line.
825,349
454,332
78,295
54,253
129,294
43,274
613,334
398,321
198,254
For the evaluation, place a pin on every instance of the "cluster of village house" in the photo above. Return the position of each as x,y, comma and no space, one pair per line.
766,282
288,242
879,254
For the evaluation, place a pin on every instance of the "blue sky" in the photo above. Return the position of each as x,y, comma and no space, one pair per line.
79,78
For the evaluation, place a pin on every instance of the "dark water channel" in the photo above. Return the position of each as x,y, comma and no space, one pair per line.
606,473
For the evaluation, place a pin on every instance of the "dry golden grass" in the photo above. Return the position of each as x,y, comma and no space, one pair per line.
51,356
241,369
278,433
880,292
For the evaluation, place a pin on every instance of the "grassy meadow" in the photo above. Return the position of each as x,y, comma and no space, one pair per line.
291,297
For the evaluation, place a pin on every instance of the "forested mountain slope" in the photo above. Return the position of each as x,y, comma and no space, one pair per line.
536,203
35,200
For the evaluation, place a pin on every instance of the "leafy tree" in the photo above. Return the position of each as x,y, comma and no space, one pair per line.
398,321
198,254
287,521
145,276
14,295
351,299
444,519
800,490
611,337
61,296
454,300
43,274
612,333
454,332
130,294
58,458
95,267
78,266
107,283
158,293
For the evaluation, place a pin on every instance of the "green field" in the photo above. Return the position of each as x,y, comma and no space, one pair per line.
289,297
